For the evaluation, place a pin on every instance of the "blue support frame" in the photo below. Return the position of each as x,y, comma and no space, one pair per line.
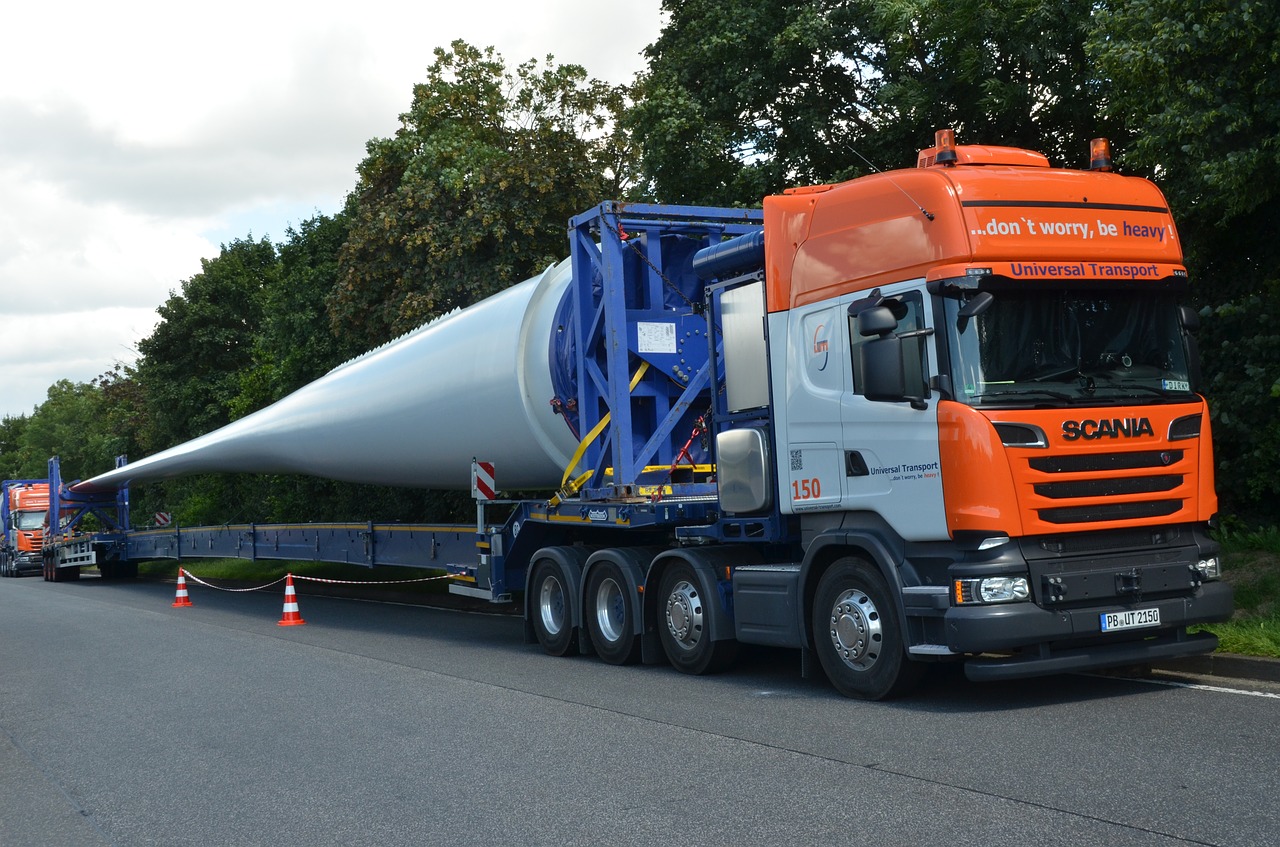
638,303
98,505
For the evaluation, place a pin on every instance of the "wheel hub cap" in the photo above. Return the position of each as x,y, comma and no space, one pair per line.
856,633
684,614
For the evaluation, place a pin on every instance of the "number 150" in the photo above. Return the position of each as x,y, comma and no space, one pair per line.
805,489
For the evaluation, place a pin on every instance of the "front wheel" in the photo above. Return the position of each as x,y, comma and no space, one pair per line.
685,624
857,635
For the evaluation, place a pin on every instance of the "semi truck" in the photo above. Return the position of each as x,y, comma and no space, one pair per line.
940,414
24,507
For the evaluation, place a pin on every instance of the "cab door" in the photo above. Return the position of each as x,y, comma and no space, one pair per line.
890,455
811,464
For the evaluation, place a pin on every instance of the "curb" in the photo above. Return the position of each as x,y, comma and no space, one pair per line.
1224,665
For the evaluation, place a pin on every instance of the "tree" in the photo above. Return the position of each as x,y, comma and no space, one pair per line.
294,342
744,97
191,373
11,429
68,424
473,192
1197,84
191,364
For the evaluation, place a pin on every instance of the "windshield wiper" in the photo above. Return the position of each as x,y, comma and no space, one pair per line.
1032,392
1150,389
1058,374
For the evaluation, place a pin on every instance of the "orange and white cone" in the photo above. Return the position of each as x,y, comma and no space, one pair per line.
182,598
291,616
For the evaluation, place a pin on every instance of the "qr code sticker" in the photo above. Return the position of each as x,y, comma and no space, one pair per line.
797,460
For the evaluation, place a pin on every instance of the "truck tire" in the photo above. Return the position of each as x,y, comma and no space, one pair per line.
856,633
611,614
685,624
551,611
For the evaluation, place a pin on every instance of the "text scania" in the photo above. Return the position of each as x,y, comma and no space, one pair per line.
1091,430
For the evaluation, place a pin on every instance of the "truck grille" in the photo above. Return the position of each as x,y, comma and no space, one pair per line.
1107,461
1106,488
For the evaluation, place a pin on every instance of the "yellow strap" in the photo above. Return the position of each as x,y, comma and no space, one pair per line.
593,435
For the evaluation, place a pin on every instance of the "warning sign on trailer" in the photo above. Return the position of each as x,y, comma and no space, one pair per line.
483,486
164,518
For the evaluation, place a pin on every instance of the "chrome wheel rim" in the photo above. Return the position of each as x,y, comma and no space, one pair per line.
551,605
856,632
684,614
611,614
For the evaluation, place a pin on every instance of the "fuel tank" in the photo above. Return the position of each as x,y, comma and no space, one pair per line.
475,383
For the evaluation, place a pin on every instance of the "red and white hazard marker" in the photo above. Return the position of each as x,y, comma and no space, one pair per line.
483,486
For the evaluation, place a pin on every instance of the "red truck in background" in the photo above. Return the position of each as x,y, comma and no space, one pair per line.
24,509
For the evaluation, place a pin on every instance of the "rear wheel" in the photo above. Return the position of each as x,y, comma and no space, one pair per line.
857,636
686,619
611,615
551,612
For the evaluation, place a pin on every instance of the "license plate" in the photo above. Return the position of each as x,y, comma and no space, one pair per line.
1136,619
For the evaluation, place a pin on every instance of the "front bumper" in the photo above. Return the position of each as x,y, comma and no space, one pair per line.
1035,641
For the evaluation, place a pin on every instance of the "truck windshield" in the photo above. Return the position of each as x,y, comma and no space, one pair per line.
1069,345
28,520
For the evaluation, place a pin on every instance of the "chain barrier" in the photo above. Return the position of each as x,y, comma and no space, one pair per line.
375,582
189,575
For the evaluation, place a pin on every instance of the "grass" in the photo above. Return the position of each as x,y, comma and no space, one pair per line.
1251,563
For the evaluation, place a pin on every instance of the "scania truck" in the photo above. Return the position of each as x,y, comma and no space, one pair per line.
938,414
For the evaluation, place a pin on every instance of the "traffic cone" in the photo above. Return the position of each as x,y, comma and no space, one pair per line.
291,616
182,598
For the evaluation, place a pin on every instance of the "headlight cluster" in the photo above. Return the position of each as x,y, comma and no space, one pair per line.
992,589
1209,568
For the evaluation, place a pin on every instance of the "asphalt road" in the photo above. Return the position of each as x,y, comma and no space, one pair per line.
125,721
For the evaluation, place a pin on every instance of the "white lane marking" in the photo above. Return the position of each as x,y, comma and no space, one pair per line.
1201,687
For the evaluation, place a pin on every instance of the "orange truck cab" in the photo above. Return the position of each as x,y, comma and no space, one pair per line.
24,510
985,419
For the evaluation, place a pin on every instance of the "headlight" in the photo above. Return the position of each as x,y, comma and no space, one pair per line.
1209,568
995,589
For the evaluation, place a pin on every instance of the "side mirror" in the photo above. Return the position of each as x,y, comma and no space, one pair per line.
976,305
878,320
1189,318
883,367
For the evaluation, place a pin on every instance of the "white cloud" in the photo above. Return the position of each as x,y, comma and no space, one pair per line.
137,136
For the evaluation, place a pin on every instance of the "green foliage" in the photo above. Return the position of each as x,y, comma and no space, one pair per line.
1237,536
472,193
1241,346
747,97
68,423
11,429
1195,81
191,364
292,343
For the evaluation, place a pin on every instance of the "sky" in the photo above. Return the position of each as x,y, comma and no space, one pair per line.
138,137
